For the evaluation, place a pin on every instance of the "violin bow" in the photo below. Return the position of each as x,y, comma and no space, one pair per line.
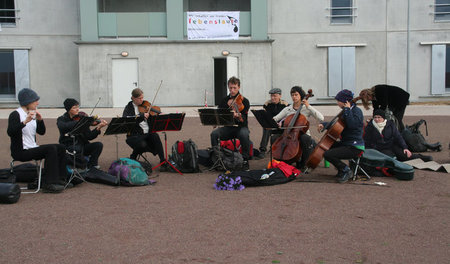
156,94
95,106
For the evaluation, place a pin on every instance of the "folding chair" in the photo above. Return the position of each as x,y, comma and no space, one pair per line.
39,180
358,167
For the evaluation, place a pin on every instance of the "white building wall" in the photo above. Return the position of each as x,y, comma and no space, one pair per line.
49,28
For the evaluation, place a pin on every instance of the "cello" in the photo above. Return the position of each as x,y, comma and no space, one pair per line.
287,146
335,128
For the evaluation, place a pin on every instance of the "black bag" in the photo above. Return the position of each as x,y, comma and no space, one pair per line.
415,140
232,160
9,193
185,156
99,176
6,176
26,172
262,177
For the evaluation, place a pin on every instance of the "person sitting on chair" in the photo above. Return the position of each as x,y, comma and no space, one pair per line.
383,135
241,130
23,124
306,142
272,107
351,143
68,121
140,138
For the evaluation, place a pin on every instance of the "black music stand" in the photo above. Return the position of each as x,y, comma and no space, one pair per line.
216,117
77,130
162,123
267,122
120,125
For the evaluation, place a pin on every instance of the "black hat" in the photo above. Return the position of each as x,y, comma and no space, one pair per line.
379,112
275,91
26,96
69,103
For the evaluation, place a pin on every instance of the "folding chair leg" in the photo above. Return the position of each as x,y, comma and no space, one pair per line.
39,171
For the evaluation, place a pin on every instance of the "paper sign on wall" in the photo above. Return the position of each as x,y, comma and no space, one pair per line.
212,25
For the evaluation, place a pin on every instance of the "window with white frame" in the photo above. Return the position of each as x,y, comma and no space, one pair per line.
7,12
442,10
341,69
440,69
341,11
14,72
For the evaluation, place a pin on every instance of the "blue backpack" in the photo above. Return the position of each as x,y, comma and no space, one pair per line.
129,171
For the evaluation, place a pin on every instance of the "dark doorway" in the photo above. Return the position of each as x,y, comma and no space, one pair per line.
220,79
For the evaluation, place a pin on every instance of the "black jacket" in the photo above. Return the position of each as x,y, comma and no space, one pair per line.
244,112
66,124
129,112
274,109
390,136
352,135
15,132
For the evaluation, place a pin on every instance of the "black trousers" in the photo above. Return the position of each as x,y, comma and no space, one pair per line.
396,151
146,143
307,144
338,152
93,150
226,133
55,161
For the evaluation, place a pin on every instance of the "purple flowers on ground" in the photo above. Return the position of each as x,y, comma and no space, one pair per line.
225,182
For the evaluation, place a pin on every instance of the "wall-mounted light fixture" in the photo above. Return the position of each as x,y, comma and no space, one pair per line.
124,53
225,53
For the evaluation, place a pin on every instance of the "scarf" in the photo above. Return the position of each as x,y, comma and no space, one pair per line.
379,126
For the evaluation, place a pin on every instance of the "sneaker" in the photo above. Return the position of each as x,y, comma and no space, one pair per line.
346,175
52,188
245,165
261,155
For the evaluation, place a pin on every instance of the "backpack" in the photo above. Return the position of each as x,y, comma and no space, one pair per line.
185,156
416,141
233,144
129,171
225,159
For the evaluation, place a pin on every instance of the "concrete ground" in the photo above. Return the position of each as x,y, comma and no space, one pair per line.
182,219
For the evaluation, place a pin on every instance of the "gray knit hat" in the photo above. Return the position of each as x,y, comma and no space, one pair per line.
27,96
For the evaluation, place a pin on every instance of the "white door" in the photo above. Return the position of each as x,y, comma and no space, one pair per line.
124,80
232,67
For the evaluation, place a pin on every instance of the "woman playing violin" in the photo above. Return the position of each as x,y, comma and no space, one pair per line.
67,122
240,107
140,138
351,143
298,98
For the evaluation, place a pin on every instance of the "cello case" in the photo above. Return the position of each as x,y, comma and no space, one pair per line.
373,158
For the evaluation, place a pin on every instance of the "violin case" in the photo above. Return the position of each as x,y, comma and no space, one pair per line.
375,159
9,193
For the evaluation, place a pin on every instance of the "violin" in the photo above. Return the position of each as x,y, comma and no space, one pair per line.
237,105
81,114
147,107
287,147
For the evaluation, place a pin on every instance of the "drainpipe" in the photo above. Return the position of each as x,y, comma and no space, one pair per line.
407,49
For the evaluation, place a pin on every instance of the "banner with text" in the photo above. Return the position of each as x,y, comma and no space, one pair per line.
213,25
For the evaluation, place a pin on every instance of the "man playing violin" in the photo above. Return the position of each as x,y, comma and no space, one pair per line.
140,138
67,122
235,101
351,143
298,98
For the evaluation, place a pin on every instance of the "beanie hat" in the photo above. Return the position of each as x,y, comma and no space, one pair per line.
344,96
275,91
69,103
27,96
379,112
